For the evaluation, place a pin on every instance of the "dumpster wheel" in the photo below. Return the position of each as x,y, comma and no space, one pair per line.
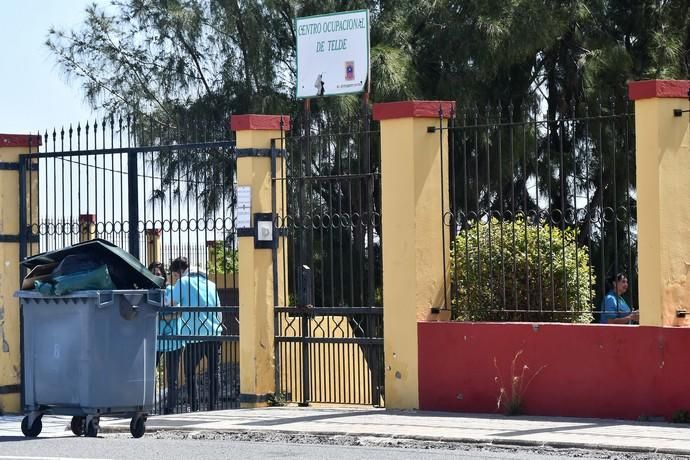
92,427
33,430
78,425
138,425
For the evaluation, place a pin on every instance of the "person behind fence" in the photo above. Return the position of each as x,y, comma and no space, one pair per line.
614,308
169,349
192,288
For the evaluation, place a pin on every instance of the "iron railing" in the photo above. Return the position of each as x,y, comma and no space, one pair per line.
197,360
56,234
132,174
541,212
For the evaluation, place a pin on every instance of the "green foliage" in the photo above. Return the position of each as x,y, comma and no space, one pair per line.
681,416
276,399
240,56
222,259
520,271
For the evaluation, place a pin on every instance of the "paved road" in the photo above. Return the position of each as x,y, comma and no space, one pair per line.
349,434
150,447
212,446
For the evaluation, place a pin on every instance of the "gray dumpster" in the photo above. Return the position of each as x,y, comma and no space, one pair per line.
88,354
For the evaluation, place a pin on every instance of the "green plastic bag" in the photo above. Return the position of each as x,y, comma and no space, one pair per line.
96,279
44,287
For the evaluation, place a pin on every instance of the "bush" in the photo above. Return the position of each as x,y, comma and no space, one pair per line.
521,271
222,259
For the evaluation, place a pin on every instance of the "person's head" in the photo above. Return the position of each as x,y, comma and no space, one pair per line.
157,269
179,266
618,283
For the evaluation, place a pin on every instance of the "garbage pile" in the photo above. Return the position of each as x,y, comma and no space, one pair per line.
91,265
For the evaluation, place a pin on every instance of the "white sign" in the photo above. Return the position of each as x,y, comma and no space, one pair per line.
332,54
244,207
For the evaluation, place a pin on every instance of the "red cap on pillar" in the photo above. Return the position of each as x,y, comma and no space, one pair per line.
413,109
648,89
259,122
19,140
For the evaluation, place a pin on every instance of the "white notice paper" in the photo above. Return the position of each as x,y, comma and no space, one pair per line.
244,207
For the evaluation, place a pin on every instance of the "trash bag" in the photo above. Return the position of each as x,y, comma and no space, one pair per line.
44,287
76,263
125,270
96,279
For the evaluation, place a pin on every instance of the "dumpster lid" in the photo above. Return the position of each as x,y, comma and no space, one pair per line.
125,270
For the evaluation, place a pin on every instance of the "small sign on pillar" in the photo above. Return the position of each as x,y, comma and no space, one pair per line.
244,207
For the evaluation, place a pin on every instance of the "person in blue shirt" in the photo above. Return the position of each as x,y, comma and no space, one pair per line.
614,309
192,288
170,349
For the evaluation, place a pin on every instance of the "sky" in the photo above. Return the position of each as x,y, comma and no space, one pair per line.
35,94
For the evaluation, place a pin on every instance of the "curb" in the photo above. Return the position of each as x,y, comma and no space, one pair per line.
498,442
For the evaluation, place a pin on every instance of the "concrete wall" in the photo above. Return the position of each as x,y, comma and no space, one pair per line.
602,371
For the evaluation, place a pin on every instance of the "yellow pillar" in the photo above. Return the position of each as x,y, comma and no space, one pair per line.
412,229
212,255
87,227
10,201
154,246
257,357
663,211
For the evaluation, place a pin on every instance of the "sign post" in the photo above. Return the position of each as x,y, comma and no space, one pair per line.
332,54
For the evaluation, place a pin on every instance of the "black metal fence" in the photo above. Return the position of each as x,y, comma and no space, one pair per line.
329,340
199,255
130,175
541,213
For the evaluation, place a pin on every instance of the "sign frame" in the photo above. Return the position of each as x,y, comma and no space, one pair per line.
367,83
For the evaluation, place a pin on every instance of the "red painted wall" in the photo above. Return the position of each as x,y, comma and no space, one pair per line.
590,370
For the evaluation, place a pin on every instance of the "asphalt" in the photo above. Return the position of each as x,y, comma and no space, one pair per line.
556,432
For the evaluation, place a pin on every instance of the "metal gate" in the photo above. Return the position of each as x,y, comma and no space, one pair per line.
160,190
329,338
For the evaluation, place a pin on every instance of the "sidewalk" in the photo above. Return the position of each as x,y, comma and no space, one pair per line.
433,426
53,426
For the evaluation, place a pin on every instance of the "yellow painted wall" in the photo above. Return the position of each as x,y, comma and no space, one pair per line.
154,247
224,280
663,185
413,251
10,357
87,232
